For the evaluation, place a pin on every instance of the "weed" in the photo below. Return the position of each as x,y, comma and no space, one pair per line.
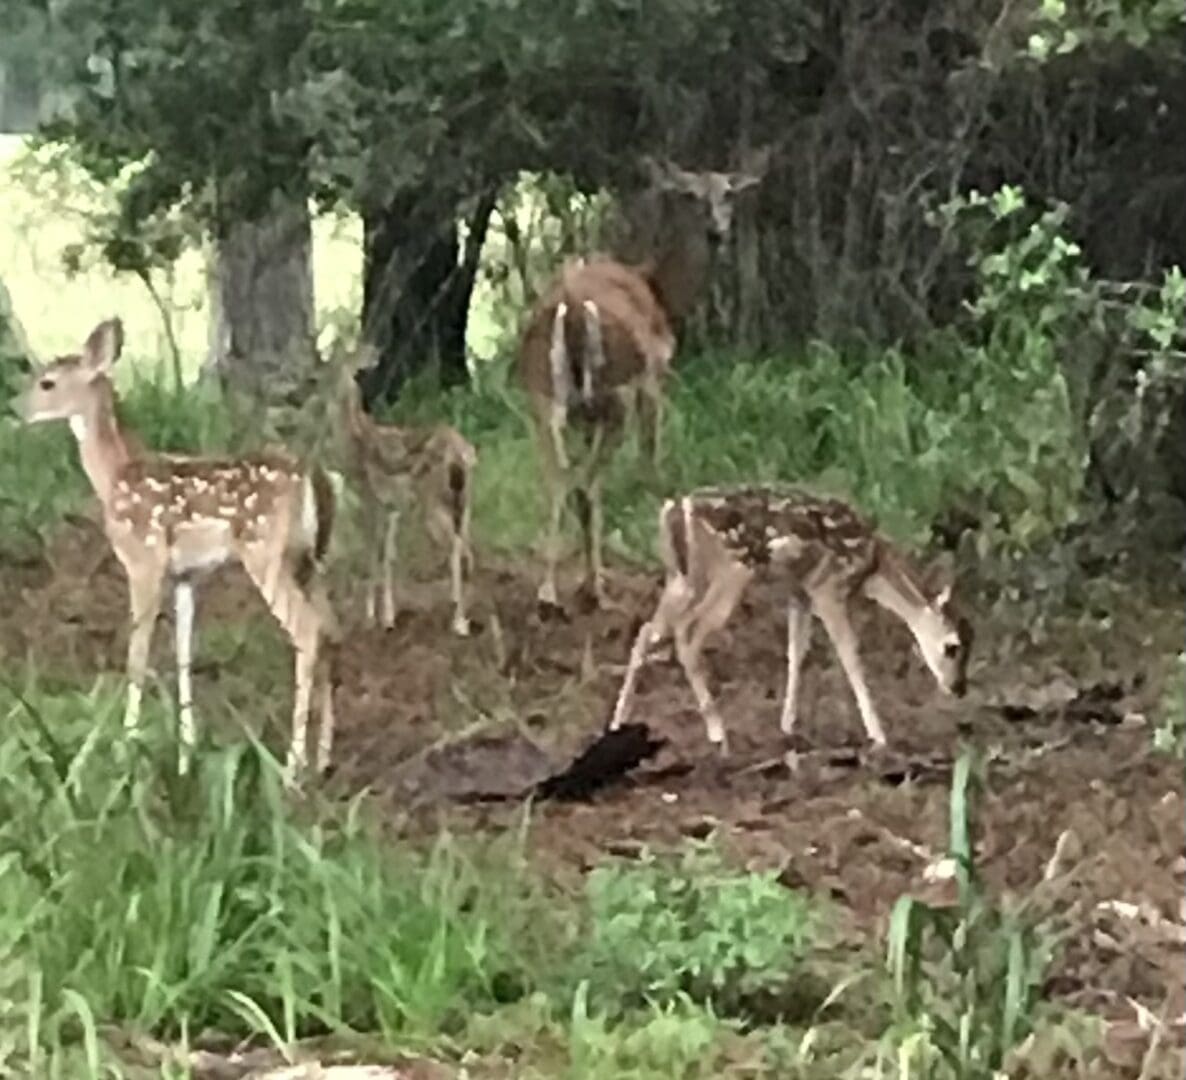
662,928
965,978
169,905
1169,736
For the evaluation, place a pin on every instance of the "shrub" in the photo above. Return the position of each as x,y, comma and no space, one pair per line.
663,928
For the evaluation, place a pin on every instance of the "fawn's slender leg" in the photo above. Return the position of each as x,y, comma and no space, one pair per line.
833,613
710,614
798,640
144,590
673,604
330,637
390,534
369,520
183,611
457,557
299,612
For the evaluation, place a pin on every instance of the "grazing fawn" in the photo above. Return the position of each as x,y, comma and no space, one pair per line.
391,467
714,541
601,339
171,519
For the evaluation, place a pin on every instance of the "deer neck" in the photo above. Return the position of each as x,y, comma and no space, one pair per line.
895,587
680,268
102,444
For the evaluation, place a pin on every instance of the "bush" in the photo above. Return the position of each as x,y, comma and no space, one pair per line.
665,928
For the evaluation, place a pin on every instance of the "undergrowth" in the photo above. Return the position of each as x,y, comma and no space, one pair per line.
907,440
136,898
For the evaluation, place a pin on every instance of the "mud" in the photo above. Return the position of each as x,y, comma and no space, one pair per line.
441,729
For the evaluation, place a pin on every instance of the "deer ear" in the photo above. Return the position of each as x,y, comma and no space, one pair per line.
668,176
103,347
753,169
367,356
940,579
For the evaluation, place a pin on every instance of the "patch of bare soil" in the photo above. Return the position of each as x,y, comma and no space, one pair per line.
448,729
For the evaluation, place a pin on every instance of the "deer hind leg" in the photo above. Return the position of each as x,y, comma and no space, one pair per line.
145,585
710,614
674,602
369,519
649,403
590,514
448,520
388,556
832,608
459,556
555,475
590,509
292,589
798,640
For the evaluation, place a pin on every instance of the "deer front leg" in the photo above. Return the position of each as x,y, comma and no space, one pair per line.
144,591
833,613
798,640
183,619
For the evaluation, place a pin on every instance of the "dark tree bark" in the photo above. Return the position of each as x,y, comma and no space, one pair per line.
262,320
418,277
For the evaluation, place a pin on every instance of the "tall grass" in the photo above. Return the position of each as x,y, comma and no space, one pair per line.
130,896
906,437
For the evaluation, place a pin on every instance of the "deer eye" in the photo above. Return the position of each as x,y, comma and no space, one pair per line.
46,384
951,649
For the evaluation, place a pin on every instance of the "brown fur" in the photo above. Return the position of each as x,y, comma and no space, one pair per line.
633,307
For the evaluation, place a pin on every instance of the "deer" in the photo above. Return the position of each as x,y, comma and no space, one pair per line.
600,340
392,467
823,556
172,519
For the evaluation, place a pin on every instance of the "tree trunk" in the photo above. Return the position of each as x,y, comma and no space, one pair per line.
418,277
262,338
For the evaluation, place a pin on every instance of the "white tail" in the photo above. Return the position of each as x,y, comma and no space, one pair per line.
171,519
713,542
391,468
601,339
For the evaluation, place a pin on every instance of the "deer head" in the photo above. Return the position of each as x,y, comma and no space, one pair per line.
61,389
711,194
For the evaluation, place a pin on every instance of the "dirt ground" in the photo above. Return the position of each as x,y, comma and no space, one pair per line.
438,728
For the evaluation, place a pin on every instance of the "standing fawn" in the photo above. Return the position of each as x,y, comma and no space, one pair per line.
172,519
713,542
391,467
601,339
